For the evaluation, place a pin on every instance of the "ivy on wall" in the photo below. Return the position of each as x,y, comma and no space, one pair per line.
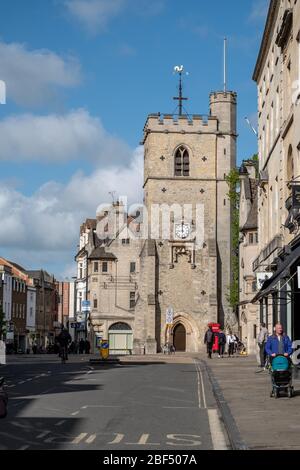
233,181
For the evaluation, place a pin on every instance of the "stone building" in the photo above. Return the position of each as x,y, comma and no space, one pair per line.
277,74
175,253
248,251
46,307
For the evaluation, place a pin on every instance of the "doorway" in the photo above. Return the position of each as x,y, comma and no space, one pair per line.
179,338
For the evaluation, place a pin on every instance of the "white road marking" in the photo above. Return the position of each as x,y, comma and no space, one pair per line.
79,438
217,435
91,439
21,383
100,406
75,414
24,448
43,434
60,423
198,388
119,438
143,441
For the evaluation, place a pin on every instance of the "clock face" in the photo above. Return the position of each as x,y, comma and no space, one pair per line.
182,231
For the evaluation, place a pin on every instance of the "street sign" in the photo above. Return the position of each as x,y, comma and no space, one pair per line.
170,316
104,349
261,278
86,306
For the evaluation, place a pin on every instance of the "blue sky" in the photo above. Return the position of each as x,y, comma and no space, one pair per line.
81,77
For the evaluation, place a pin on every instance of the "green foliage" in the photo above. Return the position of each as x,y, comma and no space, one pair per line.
233,181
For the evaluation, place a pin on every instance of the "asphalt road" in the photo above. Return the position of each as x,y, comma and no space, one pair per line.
136,405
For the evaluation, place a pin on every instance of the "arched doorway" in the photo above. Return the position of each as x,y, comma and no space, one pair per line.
179,338
120,339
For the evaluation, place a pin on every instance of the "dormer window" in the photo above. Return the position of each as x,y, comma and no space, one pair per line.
182,162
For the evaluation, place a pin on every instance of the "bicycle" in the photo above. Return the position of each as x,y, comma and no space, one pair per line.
63,354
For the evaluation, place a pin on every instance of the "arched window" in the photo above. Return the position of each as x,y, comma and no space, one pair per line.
120,327
182,162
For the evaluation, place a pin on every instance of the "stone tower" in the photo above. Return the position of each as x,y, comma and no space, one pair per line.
186,267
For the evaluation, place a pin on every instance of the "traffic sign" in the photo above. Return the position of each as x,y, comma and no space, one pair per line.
104,349
86,306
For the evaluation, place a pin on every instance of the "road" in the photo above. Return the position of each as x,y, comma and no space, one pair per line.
157,404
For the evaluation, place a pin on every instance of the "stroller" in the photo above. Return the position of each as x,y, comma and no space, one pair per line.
281,376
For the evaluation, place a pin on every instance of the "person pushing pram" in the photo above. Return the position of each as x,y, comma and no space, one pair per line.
279,349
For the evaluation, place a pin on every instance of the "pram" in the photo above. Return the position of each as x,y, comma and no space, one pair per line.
281,376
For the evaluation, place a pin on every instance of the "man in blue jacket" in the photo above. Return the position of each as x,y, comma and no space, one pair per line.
279,343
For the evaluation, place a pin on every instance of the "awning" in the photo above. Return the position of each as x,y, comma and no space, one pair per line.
282,271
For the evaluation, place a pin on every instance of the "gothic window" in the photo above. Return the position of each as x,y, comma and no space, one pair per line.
182,162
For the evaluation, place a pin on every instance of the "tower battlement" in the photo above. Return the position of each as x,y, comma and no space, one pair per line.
186,124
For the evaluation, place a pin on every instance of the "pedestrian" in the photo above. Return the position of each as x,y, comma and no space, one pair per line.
34,348
221,343
173,349
231,339
209,339
279,343
262,341
81,346
87,347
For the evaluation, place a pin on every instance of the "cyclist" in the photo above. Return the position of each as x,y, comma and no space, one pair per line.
64,338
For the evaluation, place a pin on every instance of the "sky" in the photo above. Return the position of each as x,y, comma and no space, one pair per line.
81,77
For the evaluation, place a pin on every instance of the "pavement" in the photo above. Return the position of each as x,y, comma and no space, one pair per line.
153,403
263,422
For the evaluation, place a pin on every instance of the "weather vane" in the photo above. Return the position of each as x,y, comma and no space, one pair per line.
180,70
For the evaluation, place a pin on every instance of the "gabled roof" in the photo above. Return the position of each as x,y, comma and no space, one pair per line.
100,253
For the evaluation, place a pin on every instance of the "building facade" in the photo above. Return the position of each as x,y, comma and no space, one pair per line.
175,254
277,74
47,325
248,252
6,290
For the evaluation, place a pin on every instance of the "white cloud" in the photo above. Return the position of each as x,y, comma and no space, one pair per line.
33,77
44,228
259,10
94,15
56,138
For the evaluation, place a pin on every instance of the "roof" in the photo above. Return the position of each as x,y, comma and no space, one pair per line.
251,194
39,274
100,253
252,220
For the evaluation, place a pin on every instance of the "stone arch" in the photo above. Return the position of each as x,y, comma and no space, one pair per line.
192,332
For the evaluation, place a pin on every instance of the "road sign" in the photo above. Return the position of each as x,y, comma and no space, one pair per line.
86,306
170,316
104,349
